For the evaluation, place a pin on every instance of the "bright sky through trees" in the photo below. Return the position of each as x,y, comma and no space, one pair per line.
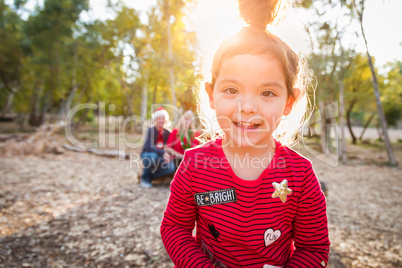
215,20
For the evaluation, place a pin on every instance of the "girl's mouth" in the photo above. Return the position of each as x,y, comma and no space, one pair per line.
246,125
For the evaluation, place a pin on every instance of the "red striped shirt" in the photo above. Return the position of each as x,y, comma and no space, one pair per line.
242,225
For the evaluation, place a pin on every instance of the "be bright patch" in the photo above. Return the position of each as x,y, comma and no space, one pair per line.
216,197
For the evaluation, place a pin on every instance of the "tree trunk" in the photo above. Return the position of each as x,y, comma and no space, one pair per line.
380,109
381,115
8,105
329,126
124,85
82,92
74,84
348,120
35,119
144,105
130,125
379,131
154,98
342,146
48,103
170,54
323,121
366,126
144,100
83,118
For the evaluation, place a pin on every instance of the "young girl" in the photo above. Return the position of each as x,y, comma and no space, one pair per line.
256,202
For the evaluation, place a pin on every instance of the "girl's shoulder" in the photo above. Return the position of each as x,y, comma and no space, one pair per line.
211,148
291,155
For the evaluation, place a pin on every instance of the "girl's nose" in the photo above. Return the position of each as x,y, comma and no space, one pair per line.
247,105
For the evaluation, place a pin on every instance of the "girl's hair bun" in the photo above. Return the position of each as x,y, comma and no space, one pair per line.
260,13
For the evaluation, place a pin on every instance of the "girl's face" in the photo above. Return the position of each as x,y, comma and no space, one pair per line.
188,119
249,98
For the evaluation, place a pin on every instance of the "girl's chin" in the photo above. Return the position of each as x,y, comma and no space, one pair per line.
247,142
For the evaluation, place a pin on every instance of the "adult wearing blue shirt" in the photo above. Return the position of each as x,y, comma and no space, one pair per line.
156,162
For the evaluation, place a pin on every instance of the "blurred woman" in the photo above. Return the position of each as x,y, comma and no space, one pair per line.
182,137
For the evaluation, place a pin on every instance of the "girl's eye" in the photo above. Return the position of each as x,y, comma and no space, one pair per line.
267,94
231,90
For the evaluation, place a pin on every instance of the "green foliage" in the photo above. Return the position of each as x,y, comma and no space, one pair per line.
329,58
391,95
358,85
157,61
11,49
333,60
53,60
47,73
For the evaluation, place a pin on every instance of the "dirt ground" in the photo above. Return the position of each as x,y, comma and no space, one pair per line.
82,210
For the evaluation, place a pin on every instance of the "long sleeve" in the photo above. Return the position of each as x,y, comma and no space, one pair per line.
172,139
174,143
179,220
310,226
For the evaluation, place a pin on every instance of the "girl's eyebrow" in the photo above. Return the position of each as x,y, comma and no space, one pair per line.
265,84
229,80
272,83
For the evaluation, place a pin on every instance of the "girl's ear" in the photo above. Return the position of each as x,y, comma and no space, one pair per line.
209,89
291,101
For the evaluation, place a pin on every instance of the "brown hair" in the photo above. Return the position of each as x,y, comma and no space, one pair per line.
255,39
181,123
